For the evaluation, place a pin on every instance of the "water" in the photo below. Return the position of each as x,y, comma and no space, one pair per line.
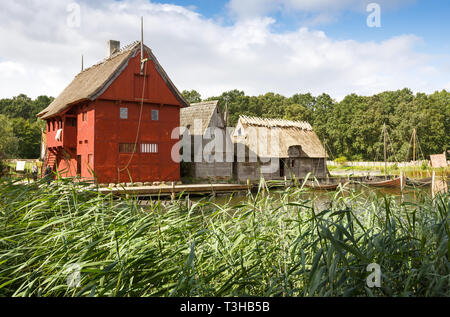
325,198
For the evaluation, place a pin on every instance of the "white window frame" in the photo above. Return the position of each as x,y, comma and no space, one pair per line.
149,148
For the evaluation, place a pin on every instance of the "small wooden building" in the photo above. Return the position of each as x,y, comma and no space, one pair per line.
275,149
201,121
114,122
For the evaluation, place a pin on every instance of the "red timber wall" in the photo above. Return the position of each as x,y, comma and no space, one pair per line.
65,148
111,166
85,115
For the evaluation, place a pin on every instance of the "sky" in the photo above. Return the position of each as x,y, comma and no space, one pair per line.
336,47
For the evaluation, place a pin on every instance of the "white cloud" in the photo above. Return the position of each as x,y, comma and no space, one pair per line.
253,8
40,54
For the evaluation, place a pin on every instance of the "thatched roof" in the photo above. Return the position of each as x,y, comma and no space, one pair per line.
291,133
203,111
270,123
92,82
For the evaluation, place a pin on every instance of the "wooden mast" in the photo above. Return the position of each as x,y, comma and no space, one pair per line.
142,46
385,162
325,158
414,146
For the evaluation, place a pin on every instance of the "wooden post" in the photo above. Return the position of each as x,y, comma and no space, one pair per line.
285,181
173,191
248,185
401,181
262,186
213,193
433,179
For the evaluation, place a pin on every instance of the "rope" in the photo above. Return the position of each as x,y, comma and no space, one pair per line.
420,148
139,126
329,149
409,147
392,148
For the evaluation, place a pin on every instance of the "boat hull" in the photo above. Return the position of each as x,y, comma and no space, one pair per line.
419,182
397,182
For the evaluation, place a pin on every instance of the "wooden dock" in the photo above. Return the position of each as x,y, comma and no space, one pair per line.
212,189
171,190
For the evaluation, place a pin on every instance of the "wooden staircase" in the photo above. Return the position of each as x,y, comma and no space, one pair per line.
51,158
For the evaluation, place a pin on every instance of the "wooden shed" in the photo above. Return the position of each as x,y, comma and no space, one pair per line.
114,122
206,161
275,148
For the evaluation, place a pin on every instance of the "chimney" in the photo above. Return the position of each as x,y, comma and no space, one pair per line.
113,47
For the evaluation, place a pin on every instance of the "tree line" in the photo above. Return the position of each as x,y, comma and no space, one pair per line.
20,129
353,127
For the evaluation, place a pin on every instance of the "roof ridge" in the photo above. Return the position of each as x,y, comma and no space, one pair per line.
124,49
270,122
202,103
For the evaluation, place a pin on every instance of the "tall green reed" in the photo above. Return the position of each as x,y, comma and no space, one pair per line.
274,243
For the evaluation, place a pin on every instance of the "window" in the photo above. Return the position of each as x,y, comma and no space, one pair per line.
149,148
127,148
123,113
155,115
84,116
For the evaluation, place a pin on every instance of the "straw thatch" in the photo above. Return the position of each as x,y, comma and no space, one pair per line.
256,135
203,111
92,82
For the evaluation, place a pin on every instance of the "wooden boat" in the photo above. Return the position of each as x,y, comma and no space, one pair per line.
419,182
396,182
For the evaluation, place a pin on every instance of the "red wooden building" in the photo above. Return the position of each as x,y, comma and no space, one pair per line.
115,121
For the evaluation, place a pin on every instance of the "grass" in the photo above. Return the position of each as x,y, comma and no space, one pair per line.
11,169
267,245
392,170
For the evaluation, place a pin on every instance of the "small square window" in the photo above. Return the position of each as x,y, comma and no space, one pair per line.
155,115
123,113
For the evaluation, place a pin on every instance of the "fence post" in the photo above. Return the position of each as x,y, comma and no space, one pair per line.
173,191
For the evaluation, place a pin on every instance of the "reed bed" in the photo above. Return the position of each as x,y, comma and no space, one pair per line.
267,245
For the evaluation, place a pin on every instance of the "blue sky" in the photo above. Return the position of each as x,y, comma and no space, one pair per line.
428,19
258,46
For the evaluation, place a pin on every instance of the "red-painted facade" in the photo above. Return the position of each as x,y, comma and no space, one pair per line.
95,138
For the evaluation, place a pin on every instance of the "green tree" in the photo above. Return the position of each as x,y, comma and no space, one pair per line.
28,135
8,141
192,96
